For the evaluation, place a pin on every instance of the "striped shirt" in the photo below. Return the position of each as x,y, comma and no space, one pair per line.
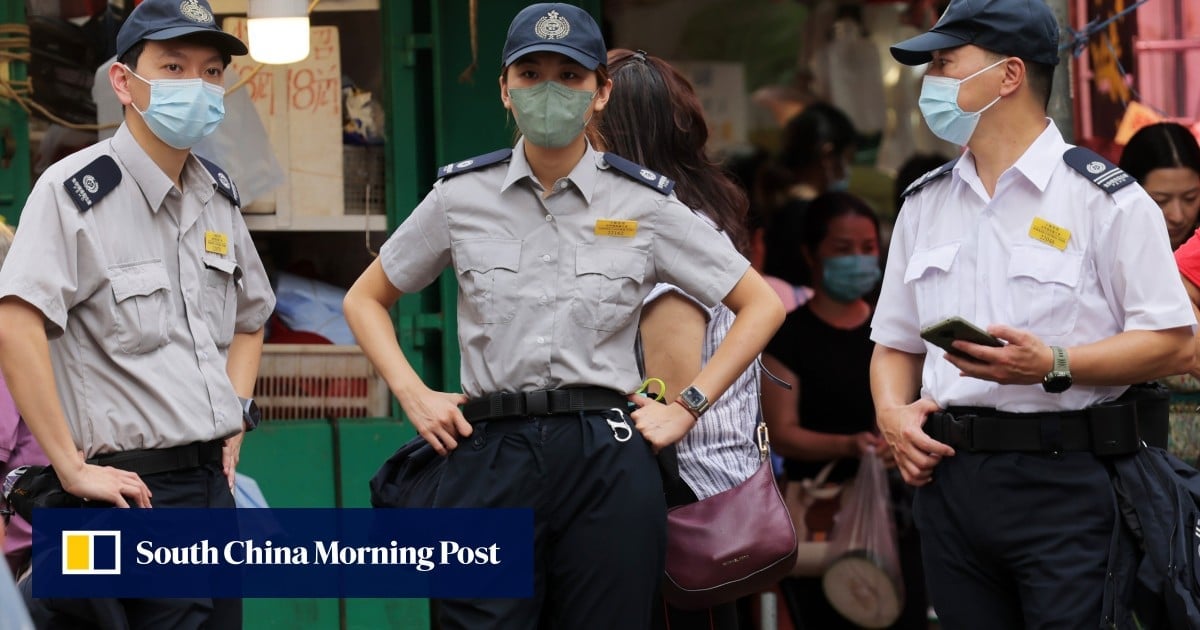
720,451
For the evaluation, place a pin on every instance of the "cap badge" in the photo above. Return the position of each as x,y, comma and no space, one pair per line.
1095,168
192,10
552,26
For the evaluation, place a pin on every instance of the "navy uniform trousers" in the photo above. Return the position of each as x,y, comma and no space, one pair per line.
598,511
205,486
1017,540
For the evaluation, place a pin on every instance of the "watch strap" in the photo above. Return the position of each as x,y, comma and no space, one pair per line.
1060,360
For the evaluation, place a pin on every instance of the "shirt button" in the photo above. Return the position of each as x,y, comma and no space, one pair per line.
545,257
543,300
203,355
549,218
541,340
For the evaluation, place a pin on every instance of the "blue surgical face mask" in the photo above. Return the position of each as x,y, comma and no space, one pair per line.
848,278
182,112
939,106
550,114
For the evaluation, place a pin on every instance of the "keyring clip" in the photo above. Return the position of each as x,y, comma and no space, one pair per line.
644,388
621,430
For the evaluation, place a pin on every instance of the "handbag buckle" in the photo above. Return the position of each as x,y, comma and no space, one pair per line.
764,442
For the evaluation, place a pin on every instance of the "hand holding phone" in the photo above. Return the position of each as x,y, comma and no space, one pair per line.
951,329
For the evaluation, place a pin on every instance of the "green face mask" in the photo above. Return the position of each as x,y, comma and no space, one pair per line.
550,114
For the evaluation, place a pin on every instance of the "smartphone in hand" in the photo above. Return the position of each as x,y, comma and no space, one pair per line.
945,332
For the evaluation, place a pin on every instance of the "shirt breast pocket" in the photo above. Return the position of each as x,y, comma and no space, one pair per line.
487,275
219,301
1045,284
928,274
142,306
607,282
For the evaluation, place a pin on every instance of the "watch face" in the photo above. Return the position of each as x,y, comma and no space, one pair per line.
692,397
1057,383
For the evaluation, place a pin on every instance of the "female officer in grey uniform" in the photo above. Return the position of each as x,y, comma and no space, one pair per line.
554,246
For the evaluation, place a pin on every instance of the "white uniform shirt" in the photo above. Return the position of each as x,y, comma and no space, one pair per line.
957,251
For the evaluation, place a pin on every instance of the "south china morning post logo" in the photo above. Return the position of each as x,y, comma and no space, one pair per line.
289,552
91,552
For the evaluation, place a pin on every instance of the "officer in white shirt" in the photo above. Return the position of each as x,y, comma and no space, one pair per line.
1059,254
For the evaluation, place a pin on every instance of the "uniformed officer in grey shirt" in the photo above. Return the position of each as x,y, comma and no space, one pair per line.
554,246
133,301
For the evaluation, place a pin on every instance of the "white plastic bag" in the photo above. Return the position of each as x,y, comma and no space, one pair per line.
862,579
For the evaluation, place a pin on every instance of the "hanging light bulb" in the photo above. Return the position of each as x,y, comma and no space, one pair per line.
278,30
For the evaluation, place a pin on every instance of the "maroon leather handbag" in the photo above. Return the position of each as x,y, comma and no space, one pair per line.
732,544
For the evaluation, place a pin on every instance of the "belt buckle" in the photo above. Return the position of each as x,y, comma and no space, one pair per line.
537,403
958,430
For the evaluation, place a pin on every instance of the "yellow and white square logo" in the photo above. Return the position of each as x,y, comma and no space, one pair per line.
91,553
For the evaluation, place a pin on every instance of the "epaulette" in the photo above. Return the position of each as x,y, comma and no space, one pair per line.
640,174
93,182
224,183
921,181
487,159
1108,176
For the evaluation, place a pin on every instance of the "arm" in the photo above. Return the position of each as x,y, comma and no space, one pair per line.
1133,356
1194,295
758,314
245,353
25,360
435,415
672,329
900,413
790,439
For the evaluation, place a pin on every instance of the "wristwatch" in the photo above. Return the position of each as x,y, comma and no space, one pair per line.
693,400
1058,380
251,415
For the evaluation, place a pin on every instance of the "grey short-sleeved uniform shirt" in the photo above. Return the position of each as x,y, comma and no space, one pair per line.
141,292
550,289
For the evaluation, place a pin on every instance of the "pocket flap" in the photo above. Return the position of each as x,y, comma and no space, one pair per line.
940,257
224,265
611,262
488,254
1045,264
138,280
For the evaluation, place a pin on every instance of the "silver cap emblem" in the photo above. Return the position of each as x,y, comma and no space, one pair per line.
552,26
1095,168
192,10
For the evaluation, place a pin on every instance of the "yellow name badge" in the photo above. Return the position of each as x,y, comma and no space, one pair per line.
216,243
1050,234
613,227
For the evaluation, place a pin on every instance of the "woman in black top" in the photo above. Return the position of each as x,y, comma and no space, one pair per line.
824,350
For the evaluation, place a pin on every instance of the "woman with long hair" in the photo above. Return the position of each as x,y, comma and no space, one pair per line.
554,245
655,118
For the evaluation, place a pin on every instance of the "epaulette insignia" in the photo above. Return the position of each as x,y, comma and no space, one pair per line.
93,182
487,159
921,181
640,174
1108,176
225,185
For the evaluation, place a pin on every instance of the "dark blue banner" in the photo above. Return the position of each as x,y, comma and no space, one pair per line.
445,553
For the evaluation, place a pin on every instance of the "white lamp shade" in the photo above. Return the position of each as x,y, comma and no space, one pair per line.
278,30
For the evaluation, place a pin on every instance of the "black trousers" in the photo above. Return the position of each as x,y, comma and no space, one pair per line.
1016,540
196,487
599,519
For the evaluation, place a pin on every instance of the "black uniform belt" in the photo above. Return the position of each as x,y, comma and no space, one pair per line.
1107,429
543,402
160,460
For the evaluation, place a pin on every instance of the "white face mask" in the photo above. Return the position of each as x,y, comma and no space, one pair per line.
939,106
